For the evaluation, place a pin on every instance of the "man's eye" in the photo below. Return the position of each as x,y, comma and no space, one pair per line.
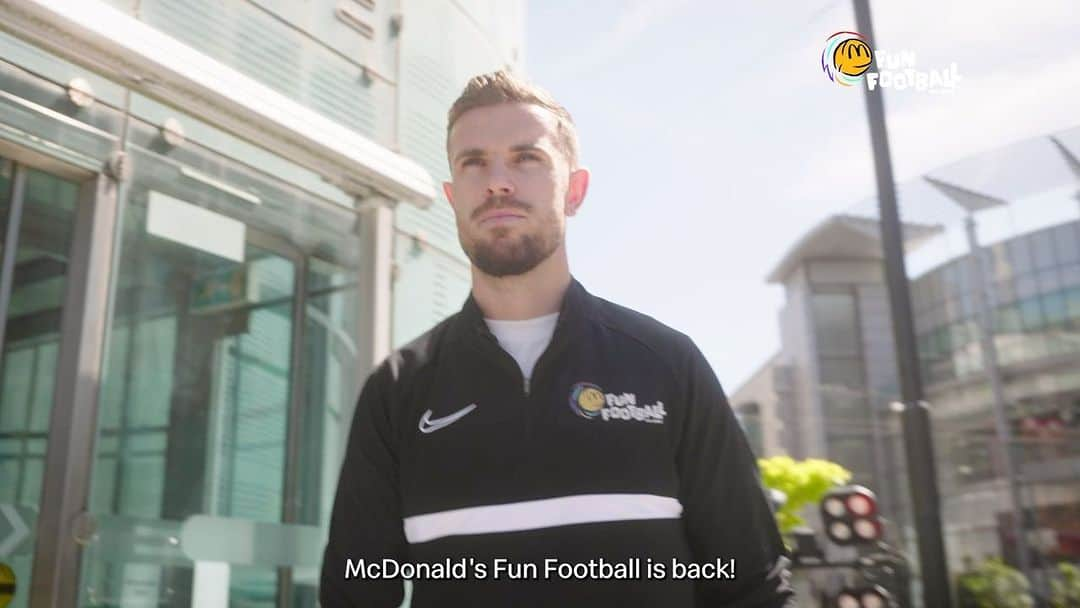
468,162
527,156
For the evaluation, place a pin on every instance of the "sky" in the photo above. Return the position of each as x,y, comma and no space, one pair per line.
715,142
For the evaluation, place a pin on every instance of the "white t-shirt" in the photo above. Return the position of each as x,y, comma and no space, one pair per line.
525,340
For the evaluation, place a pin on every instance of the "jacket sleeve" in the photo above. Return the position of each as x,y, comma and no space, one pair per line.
725,509
366,520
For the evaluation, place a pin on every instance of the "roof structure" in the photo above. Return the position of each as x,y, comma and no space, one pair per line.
846,236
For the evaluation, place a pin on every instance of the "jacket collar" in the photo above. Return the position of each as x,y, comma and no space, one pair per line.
577,307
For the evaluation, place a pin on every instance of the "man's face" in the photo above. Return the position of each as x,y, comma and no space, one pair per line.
512,187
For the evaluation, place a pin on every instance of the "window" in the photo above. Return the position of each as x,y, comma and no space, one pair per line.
841,372
1007,320
749,416
1020,256
1072,304
1067,243
855,453
1056,309
1042,249
834,324
1031,314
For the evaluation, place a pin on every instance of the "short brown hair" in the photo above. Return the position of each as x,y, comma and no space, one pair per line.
503,87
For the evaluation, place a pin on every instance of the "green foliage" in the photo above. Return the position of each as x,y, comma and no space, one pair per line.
993,584
804,482
1065,593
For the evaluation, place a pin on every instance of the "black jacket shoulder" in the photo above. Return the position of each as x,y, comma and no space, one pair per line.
411,357
669,344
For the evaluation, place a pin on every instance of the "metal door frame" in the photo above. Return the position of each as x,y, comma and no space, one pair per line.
73,419
73,423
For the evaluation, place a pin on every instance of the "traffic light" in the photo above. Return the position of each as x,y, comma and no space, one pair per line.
864,597
850,515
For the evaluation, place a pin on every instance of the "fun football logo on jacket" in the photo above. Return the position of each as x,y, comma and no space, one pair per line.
590,401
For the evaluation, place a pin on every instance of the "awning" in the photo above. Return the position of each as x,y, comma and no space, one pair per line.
115,45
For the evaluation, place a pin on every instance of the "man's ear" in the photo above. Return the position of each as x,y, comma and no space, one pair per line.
448,190
575,193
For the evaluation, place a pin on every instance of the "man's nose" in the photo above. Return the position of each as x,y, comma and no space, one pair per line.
499,183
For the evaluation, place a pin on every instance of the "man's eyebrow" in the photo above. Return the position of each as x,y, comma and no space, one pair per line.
470,152
467,153
528,148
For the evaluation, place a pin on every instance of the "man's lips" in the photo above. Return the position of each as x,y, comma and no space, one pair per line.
499,217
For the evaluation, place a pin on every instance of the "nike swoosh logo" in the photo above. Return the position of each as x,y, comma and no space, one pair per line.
428,425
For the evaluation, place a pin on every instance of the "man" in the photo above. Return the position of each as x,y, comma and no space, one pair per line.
542,437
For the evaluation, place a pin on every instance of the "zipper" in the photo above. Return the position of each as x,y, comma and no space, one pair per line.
508,360
526,385
552,347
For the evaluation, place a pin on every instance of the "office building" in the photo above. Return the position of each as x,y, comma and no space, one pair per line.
830,390
217,217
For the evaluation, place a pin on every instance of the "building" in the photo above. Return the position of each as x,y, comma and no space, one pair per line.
834,377
1036,298
756,406
838,365
217,217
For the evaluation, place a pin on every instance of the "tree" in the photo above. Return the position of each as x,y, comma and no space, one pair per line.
803,482
994,584
1066,592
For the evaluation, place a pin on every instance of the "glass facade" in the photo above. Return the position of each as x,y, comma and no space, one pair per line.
749,417
238,325
848,436
1031,285
228,374
1036,286
37,211
1035,290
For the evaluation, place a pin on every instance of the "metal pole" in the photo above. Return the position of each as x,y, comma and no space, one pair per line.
919,448
985,319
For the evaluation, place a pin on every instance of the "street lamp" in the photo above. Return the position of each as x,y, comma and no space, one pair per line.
918,446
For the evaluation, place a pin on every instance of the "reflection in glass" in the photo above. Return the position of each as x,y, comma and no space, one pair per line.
194,401
331,384
31,343
229,380
834,322
1037,312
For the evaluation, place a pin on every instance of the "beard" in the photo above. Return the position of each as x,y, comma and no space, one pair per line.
503,255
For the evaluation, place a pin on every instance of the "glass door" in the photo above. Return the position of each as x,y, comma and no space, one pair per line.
193,418
37,219
231,368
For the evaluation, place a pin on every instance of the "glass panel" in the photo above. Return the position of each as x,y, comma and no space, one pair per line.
854,453
1020,256
845,372
194,406
1055,308
844,405
749,417
31,343
1066,244
198,390
834,322
332,382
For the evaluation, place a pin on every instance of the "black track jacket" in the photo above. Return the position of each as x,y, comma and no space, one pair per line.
622,450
